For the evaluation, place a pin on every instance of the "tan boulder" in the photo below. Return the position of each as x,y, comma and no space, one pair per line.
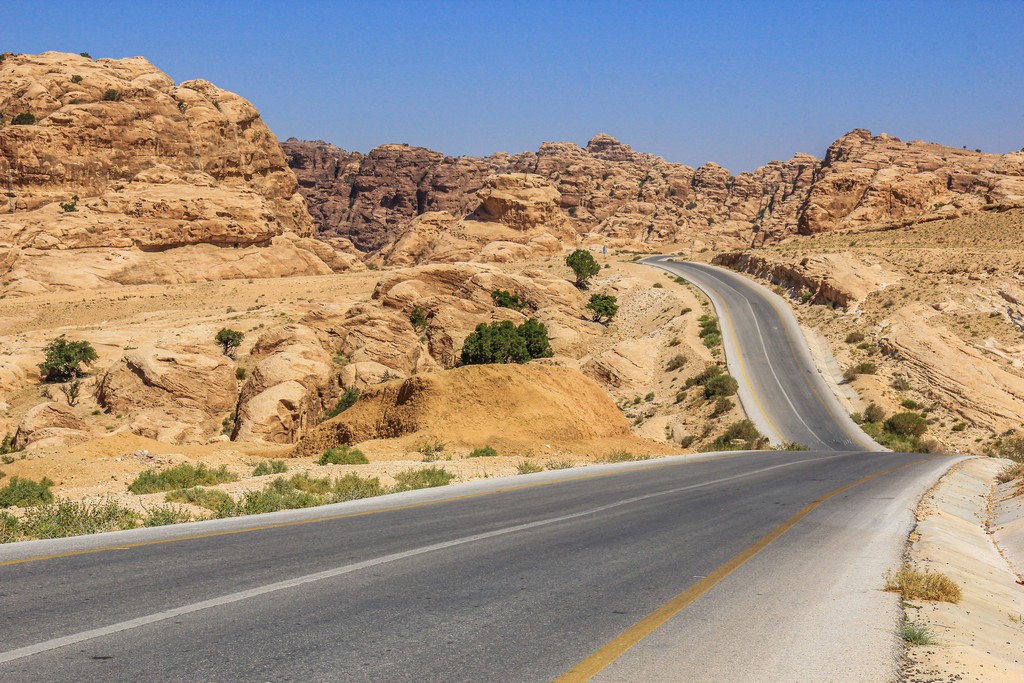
51,424
178,396
522,201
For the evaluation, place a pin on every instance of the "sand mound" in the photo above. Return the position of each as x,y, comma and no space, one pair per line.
507,406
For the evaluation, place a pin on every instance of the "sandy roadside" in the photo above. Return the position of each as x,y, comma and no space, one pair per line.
980,638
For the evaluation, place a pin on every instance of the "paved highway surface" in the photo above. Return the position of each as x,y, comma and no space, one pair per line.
738,567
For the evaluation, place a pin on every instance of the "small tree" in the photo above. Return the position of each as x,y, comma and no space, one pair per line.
535,334
583,265
63,359
504,299
603,307
495,343
230,340
71,391
906,424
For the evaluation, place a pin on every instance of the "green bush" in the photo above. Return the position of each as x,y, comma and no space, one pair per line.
63,359
583,266
70,206
418,318
347,400
620,456
677,362
485,452
504,299
354,487
504,342
111,95
720,386
1008,446
211,499
20,492
865,368
162,515
428,477
722,406
343,455
26,118
63,518
240,374
855,338
709,331
229,340
874,413
181,476
76,79
271,467
906,424
742,435
603,307
527,467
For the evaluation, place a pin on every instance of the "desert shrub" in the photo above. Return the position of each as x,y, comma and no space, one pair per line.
505,299
7,444
677,362
709,331
680,396
211,499
742,435
912,584
347,400
271,467
26,118
649,397
71,391
805,296
427,477
1008,446
63,518
915,634
229,340
865,368
906,424
1010,472
431,450
602,307
353,487
76,78
343,455
85,54
722,406
162,515
910,404
620,456
527,467
278,495
706,374
874,413
181,476
560,464
674,341
658,285
240,374
68,207
485,452
959,426
900,383
720,385
306,483
111,95
418,318
584,266
504,342
791,446
64,358
855,338
21,492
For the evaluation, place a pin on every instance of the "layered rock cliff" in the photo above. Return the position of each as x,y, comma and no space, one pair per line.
112,154
612,192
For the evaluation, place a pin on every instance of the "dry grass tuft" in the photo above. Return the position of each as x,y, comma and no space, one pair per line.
1011,472
912,584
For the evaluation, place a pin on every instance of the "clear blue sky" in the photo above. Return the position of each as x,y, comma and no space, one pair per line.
735,83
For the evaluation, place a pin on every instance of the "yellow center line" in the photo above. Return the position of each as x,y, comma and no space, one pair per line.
364,513
615,648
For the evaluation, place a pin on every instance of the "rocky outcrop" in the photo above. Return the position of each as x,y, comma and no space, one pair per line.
522,201
176,396
51,424
617,196
119,158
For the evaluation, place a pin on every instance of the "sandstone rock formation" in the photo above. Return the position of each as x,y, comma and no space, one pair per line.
122,160
504,406
177,396
614,195
51,424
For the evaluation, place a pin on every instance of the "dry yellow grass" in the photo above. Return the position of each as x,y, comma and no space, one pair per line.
1011,472
912,584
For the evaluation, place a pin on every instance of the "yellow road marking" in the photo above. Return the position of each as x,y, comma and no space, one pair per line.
331,518
615,648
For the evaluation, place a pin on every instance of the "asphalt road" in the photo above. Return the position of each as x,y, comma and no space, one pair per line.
740,567
518,579
780,389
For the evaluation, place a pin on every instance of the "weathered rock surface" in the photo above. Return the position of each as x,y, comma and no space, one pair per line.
176,396
51,424
622,197
154,166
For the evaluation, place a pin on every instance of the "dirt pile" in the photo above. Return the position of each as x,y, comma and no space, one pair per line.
509,407
105,162
611,194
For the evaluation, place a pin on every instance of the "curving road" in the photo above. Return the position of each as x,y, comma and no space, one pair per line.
780,389
729,567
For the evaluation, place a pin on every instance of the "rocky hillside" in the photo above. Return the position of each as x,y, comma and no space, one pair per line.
112,155
611,192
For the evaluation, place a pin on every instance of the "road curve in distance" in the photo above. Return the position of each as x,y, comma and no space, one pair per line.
779,386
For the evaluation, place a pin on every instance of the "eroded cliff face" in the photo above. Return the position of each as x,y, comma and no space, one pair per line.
608,191
111,154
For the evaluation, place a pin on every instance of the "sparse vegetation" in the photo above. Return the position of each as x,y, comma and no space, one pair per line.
906,424
865,368
71,206
431,450
418,318
677,362
722,406
211,499
76,78
240,373
427,477
620,456
484,452
527,467
584,266
111,95
270,467
181,476
915,634
855,338
21,492
63,359
739,436
26,118
343,455
874,413
71,390
505,299
229,340
559,464
603,307
347,400
913,584
709,331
